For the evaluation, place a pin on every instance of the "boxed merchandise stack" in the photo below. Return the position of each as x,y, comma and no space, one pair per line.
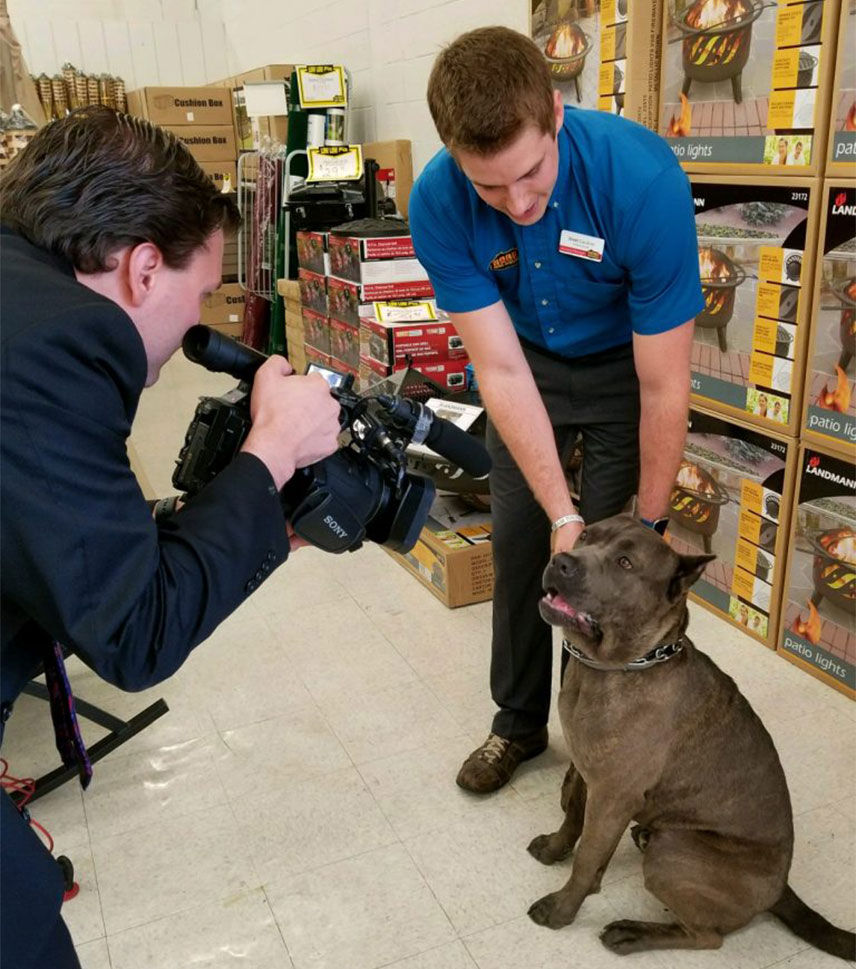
603,55
818,628
289,290
732,497
829,412
746,84
841,156
201,117
756,242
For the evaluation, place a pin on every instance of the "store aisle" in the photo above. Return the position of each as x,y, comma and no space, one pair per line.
297,806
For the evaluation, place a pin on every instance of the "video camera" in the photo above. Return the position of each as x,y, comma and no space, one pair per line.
363,490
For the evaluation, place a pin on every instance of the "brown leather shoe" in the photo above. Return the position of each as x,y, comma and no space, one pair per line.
490,766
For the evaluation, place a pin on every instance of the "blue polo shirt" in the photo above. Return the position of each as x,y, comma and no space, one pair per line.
617,182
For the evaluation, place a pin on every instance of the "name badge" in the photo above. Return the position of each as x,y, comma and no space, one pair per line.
581,246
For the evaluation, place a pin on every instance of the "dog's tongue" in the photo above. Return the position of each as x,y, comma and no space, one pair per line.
578,619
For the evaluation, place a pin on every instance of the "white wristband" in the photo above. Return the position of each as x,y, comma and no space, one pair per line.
567,520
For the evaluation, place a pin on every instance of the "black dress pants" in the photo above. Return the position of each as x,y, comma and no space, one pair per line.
598,397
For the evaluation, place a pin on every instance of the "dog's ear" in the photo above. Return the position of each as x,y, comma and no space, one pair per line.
689,568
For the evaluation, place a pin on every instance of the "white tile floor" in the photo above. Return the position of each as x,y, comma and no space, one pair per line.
296,808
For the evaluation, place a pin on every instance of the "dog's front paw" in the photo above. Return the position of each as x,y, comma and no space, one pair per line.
546,850
550,912
622,937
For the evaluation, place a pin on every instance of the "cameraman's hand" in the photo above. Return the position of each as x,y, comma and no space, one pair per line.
295,419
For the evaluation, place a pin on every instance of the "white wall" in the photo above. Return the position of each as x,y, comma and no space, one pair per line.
387,45
145,42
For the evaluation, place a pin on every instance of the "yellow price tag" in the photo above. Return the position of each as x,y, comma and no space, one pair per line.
761,369
743,584
749,526
785,67
789,27
770,262
607,44
781,110
746,556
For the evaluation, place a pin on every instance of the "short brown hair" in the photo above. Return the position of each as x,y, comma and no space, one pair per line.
96,181
486,86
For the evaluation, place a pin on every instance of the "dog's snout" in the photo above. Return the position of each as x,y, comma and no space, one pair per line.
566,565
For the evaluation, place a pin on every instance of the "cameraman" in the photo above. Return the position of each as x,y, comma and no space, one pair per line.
562,244
112,236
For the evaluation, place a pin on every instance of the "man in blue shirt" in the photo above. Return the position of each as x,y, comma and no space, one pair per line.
562,244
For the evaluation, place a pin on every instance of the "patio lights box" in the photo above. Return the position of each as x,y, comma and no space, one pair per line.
756,243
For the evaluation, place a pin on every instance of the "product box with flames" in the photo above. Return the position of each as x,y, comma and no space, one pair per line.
756,242
345,344
453,556
312,252
316,331
829,417
313,290
352,302
382,259
818,628
842,120
602,55
448,374
408,329
731,498
746,84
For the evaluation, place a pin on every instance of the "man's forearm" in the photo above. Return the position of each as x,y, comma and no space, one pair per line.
662,432
517,411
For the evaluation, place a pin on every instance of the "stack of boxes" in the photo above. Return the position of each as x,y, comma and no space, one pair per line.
768,480
368,309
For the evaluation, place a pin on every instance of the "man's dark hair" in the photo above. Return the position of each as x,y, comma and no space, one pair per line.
97,181
486,86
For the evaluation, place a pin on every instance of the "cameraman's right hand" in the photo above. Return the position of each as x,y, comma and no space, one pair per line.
295,419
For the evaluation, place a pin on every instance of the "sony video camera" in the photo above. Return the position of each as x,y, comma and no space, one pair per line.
363,490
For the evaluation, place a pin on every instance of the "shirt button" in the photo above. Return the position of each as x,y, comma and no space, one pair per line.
555,205
537,265
545,302
551,330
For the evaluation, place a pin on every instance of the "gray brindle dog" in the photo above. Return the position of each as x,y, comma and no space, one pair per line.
660,736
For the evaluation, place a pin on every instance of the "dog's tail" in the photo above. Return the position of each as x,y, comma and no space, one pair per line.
813,927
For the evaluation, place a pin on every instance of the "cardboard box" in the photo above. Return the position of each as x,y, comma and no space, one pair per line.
732,497
391,343
168,106
453,556
378,260
317,356
312,252
249,132
756,241
605,55
207,142
841,155
345,345
313,290
395,172
818,618
222,172
829,412
731,100
316,331
224,306
230,260
233,330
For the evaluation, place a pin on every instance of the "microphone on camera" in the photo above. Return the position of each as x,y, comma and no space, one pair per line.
439,434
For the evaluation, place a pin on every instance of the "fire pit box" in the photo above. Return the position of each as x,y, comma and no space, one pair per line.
616,46
829,410
732,497
738,64
817,629
756,245
841,150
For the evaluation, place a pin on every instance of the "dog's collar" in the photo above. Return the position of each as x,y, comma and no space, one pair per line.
659,654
